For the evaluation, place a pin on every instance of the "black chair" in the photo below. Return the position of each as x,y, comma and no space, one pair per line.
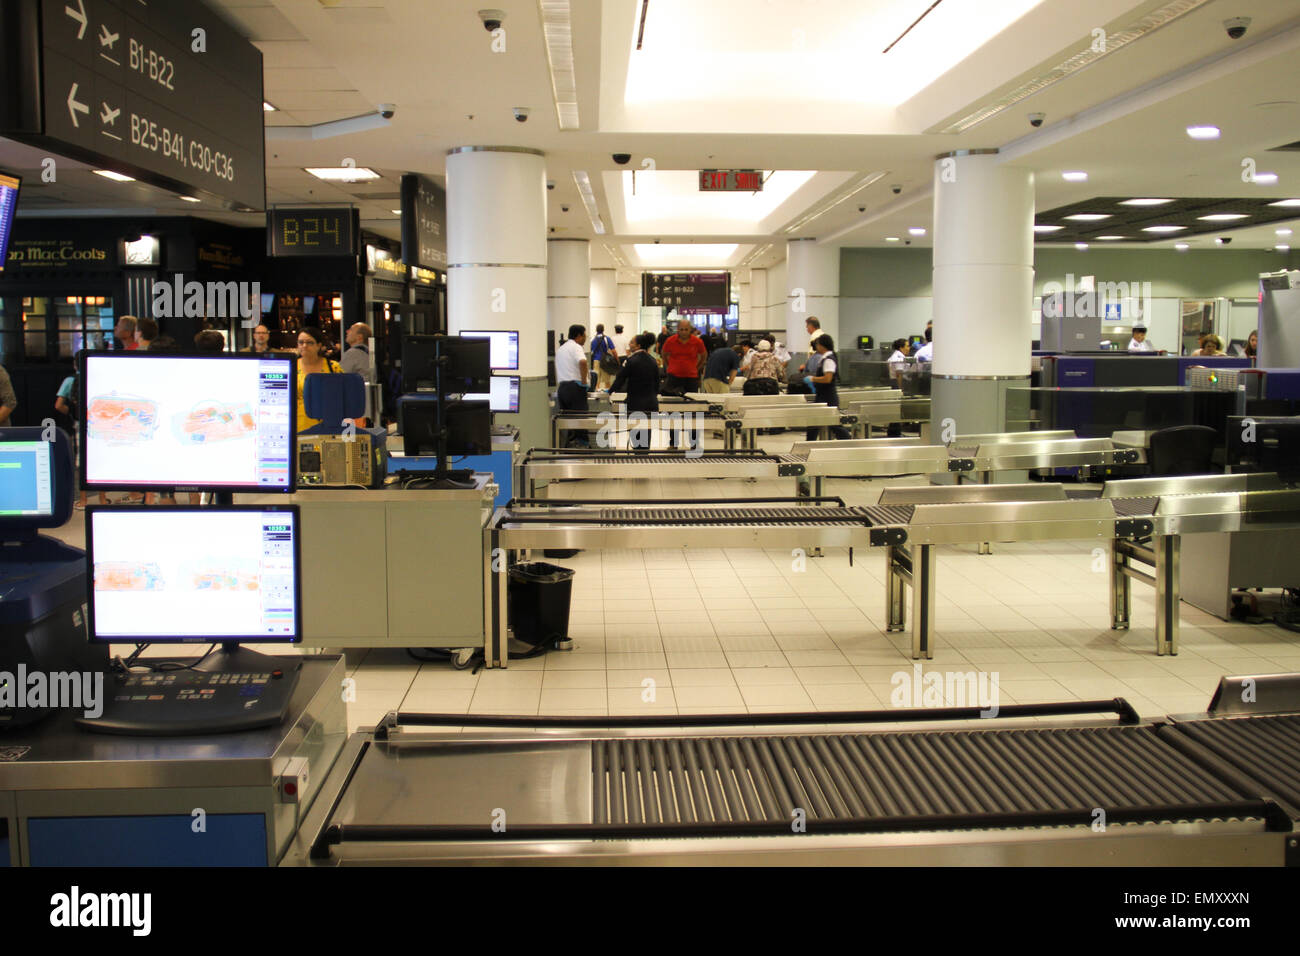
1182,450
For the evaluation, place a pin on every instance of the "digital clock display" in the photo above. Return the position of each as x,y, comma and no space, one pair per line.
311,232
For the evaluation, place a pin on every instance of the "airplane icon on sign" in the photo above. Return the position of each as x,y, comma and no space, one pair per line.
108,115
106,37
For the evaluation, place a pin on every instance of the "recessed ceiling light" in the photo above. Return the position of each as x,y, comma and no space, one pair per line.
1203,132
1081,246
1284,232
1110,238
1075,176
268,108
1181,246
916,231
397,212
1266,179
1048,228
116,177
343,174
1224,217
190,199
892,239
1089,216
1282,248
1145,202
1286,203
1164,228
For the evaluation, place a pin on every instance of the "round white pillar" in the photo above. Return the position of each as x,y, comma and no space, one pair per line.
604,299
496,263
496,246
568,284
813,283
983,288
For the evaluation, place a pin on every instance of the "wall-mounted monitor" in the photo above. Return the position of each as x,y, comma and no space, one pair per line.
505,348
222,423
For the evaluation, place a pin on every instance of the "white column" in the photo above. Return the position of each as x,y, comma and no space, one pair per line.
983,287
496,246
629,307
812,289
568,284
604,299
757,300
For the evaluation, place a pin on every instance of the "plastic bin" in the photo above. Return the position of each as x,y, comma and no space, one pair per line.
539,595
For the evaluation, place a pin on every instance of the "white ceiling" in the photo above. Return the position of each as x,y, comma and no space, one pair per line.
761,84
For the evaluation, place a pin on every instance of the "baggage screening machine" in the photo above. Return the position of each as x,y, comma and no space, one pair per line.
945,788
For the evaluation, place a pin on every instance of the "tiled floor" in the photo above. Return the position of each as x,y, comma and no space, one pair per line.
759,631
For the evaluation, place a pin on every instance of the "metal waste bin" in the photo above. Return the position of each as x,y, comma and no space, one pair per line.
539,595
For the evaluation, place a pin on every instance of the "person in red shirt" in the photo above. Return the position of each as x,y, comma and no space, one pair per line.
684,357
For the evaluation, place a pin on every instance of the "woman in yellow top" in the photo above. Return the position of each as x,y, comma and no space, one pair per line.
312,346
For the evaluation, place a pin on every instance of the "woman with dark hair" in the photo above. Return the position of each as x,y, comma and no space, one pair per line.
1252,344
639,377
823,374
312,360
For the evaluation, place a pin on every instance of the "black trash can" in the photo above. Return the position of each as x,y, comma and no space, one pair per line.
539,595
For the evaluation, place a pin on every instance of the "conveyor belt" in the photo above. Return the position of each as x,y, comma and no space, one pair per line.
872,775
889,514
1265,749
1134,507
732,516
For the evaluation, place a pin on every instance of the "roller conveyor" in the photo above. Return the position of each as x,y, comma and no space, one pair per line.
719,790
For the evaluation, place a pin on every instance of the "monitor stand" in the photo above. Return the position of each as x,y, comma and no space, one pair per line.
233,689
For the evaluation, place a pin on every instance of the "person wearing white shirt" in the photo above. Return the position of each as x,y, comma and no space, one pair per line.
926,352
1139,341
898,361
571,374
621,340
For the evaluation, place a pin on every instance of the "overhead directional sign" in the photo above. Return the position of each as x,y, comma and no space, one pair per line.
731,180
424,222
701,291
159,89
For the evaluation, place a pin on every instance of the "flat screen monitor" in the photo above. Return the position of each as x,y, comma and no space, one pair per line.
223,423
194,575
503,396
916,341
268,302
9,186
866,343
26,479
419,362
504,348
467,366
308,304
469,427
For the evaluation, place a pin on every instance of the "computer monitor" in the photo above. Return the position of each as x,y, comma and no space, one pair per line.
467,365
504,351
916,341
866,343
36,485
268,302
469,427
220,423
1268,444
419,362
308,304
9,186
182,575
503,396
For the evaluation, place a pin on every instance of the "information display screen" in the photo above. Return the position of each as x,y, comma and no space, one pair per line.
311,232
504,396
194,574
26,479
202,423
505,348
9,186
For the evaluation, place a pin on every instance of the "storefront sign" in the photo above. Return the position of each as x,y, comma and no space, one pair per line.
380,262
220,257
72,254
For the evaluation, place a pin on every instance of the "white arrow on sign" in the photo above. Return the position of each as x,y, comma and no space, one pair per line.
74,107
80,16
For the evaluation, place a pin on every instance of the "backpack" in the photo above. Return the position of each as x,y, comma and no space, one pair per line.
601,347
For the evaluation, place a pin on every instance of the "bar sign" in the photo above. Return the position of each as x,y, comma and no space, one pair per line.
731,180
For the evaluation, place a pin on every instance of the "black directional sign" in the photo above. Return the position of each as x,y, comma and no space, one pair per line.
160,89
704,291
424,223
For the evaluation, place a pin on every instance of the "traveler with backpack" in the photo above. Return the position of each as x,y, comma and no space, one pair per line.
604,358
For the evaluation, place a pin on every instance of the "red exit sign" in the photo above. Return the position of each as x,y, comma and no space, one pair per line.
731,180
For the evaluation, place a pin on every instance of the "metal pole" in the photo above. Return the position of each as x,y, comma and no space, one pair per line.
1121,589
1167,595
923,569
